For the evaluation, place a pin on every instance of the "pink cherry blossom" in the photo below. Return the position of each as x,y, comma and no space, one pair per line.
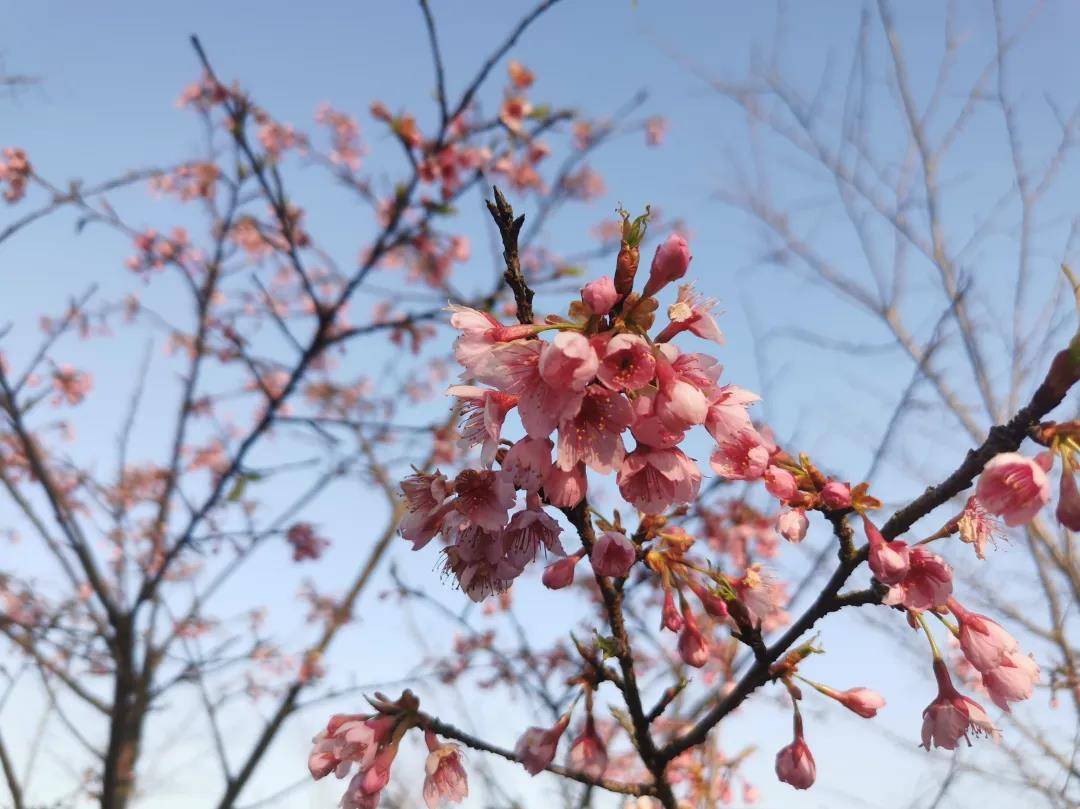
652,480
600,295
670,262
484,497
588,753
1012,681
927,585
795,763
952,716
613,554
536,747
528,462
568,361
793,525
728,414
626,363
565,489
306,544
477,560
515,368
983,641
742,456
483,412
691,313
976,526
444,776
594,435
426,503
1013,487
480,332
648,427
528,531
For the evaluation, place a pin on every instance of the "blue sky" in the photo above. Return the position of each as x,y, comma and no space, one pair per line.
109,78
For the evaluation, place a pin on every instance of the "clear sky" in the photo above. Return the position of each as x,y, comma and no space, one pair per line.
109,75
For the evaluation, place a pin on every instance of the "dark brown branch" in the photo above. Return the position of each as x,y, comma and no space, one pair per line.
451,732
509,230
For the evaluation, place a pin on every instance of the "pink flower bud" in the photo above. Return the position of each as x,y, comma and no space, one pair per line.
889,561
693,648
792,525
669,264
536,747
781,483
588,754
795,763
613,555
669,614
836,495
600,295
863,701
560,574
1068,507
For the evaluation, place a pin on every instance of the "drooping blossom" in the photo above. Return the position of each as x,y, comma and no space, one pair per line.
612,554
1014,487
693,648
1012,681
588,753
479,563
795,763
444,776
793,525
889,561
927,584
528,531
984,642
1007,673
670,262
536,747
626,362
670,617
600,295
652,480
594,435
426,504
484,497
952,716
347,740
483,412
